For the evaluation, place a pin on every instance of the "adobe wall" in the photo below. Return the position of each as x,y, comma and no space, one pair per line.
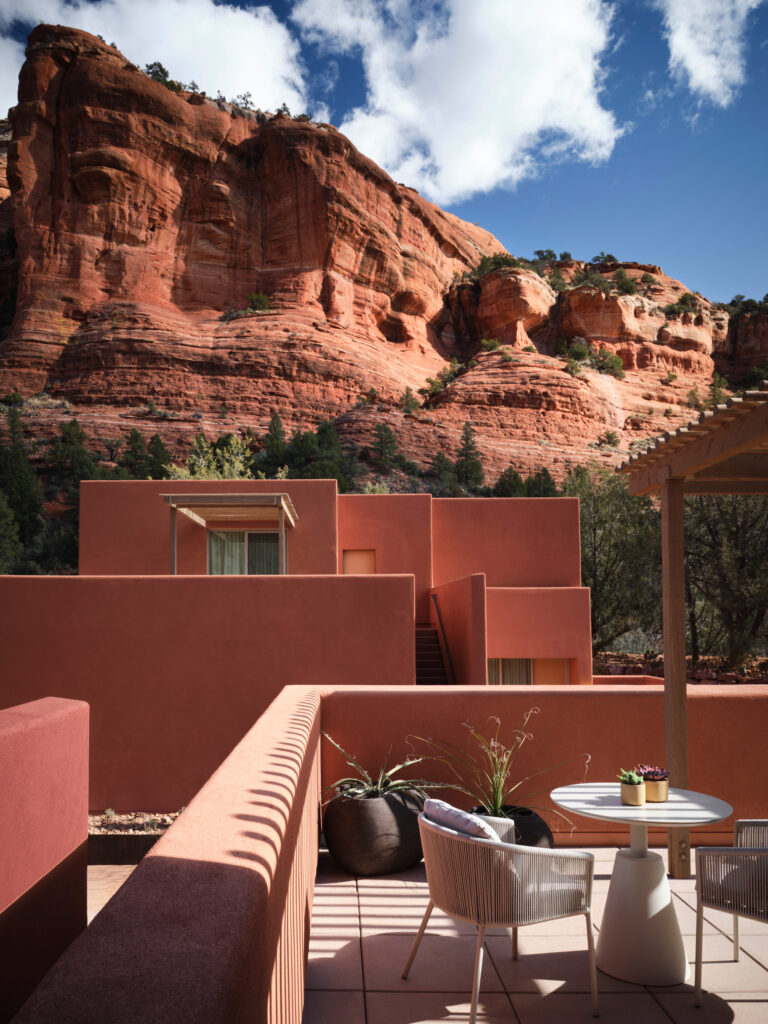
44,829
213,925
617,725
462,610
516,542
530,622
177,668
125,525
398,527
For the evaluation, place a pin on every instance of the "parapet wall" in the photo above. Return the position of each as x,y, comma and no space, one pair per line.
213,925
44,829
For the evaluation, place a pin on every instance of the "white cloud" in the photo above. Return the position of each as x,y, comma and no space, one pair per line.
462,96
706,45
218,46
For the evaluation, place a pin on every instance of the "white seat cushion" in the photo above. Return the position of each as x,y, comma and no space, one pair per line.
442,813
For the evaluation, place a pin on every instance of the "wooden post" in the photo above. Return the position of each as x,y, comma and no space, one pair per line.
675,696
281,542
173,541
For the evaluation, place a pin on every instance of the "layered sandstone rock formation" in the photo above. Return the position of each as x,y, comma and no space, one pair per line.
142,217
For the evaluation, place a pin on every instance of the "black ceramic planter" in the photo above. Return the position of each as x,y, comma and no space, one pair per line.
374,836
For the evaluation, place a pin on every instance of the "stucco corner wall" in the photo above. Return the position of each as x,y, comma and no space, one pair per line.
44,829
463,614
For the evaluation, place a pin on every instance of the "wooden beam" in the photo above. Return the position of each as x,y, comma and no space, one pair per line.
675,695
191,515
281,542
741,434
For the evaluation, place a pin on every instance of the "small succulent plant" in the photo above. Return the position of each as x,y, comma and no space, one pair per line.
651,773
630,778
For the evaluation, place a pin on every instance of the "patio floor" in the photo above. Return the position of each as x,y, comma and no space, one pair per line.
362,930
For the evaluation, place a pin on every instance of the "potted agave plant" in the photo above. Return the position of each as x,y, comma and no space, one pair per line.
632,788
371,821
656,781
486,772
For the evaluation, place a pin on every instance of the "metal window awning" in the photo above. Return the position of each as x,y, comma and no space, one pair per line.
724,451
220,507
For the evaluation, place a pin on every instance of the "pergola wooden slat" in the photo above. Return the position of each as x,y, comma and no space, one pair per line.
724,451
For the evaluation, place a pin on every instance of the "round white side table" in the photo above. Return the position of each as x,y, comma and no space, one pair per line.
640,938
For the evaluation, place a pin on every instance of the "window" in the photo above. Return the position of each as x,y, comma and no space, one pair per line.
235,552
509,672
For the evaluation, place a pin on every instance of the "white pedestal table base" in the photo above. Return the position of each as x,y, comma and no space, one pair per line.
640,938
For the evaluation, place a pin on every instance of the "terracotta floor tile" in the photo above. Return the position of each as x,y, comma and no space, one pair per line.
615,1008
555,963
436,1008
442,964
736,1007
334,1008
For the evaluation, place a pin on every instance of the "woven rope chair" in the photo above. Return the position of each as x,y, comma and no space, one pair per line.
733,879
499,885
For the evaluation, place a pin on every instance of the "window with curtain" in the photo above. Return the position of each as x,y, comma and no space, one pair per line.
234,552
509,672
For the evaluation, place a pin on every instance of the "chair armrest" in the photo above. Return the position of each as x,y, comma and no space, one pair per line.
733,879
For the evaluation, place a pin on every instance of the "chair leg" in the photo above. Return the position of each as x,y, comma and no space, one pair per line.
699,931
514,943
592,967
417,940
735,936
478,972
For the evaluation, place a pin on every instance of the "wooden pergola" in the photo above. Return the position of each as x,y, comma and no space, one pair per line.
724,451
231,507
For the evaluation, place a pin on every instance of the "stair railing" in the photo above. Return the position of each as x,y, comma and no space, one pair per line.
444,641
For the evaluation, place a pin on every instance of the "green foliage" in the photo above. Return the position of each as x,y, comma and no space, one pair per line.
669,377
572,367
607,362
469,466
158,456
409,401
757,375
530,348
385,449
717,394
442,473
363,786
448,374
647,279
668,413
490,263
157,72
739,305
371,397
10,545
725,559
556,280
18,481
610,439
71,462
274,445
624,282
629,778
603,257
687,303
509,484
506,356
489,344
593,279
540,485
565,257
135,459
579,350
258,301
226,459
692,399
620,554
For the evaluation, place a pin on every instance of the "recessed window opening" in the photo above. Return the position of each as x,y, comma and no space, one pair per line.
243,552
510,672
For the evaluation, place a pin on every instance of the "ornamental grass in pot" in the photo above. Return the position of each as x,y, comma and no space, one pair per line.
371,821
485,771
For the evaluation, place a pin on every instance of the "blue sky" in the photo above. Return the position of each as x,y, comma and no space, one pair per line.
636,127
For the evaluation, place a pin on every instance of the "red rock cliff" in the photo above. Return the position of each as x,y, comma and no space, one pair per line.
141,216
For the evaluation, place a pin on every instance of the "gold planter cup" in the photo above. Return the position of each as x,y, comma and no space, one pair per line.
633,796
657,792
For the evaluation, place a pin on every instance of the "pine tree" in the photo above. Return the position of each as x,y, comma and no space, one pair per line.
509,485
159,457
19,482
136,458
10,545
273,455
469,466
71,462
541,485
385,449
